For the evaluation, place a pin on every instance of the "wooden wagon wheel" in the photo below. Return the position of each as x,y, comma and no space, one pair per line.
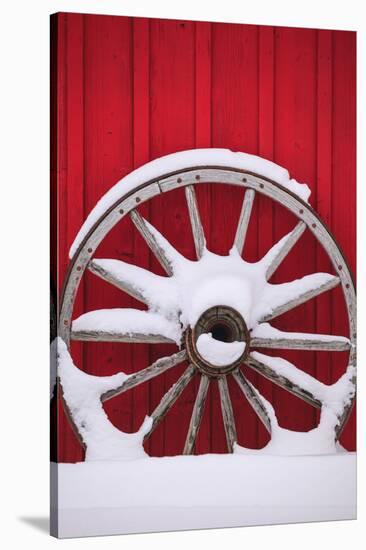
221,319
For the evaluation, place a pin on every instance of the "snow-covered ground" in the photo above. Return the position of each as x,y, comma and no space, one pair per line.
191,492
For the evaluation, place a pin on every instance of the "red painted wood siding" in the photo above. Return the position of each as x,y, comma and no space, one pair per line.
130,90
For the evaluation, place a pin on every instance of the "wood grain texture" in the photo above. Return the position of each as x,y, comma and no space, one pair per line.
304,343
292,239
253,399
109,277
282,381
195,218
151,242
303,298
157,368
285,94
244,219
171,397
227,414
197,414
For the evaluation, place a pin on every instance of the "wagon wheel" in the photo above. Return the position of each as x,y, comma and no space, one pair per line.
222,320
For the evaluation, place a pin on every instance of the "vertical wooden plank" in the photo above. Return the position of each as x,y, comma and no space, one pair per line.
141,155
70,177
324,187
295,148
265,233
172,128
344,176
203,84
108,157
203,140
235,126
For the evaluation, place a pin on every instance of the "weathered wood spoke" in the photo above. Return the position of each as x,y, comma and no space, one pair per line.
197,415
170,397
301,299
122,337
196,224
280,380
253,399
110,277
227,414
244,218
155,369
144,229
302,342
284,247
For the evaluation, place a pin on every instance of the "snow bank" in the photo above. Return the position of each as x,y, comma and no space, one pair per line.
190,492
187,159
219,353
82,393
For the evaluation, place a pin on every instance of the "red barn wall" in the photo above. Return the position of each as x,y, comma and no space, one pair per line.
126,91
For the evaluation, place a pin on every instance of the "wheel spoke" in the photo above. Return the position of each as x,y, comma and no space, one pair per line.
266,336
170,397
253,398
280,250
287,296
246,210
150,234
104,271
155,369
124,325
289,378
120,337
196,224
197,414
227,414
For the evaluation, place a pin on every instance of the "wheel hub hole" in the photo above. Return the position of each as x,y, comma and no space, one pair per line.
222,332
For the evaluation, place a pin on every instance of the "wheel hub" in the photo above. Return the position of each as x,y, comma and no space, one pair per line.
226,325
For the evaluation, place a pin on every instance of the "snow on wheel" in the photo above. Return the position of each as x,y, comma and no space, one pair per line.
217,309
